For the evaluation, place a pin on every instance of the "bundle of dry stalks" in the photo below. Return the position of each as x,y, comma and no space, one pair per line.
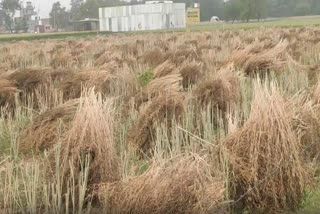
161,44
30,82
265,154
257,56
107,57
164,69
269,59
184,52
8,91
309,126
166,84
48,128
154,57
239,57
91,134
130,49
191,73
182,185
316,93
77,48
58,75
73,85
27,80
63,59
169,83
221,91
164,108
81,133
311,70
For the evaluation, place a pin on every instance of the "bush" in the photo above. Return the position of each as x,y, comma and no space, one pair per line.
145,77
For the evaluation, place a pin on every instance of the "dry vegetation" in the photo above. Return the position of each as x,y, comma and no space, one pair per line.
223,122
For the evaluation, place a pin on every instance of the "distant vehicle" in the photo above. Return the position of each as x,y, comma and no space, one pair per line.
214,19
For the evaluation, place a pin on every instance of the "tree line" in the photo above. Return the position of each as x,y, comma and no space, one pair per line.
260,9
254,9
231,10
8,10
225,9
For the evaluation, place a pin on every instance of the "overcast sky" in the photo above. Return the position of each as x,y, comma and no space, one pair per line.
44,6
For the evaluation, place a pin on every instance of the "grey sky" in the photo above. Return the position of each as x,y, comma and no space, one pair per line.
44,6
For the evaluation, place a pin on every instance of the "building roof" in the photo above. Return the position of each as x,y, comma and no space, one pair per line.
86,20
158,2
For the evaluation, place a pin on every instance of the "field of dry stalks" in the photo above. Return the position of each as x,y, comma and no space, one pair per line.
220,122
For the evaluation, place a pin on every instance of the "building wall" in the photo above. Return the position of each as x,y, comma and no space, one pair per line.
45,21
86,26
43,26
142,17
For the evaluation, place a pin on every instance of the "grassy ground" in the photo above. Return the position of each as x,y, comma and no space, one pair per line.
204,26
29,36
282,22
311,204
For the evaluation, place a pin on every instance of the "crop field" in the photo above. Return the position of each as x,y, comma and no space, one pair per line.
299,21
226,121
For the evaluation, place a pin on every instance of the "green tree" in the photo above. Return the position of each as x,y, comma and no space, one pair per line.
315,7
279,8
233,10
59,17
260,9
21,24
209,8
90,9
1,18
302,8
9,8
245,9
75,8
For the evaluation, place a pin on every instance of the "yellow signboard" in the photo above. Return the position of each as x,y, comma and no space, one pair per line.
193,15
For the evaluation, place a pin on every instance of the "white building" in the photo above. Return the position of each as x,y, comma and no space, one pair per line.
157,2
143,17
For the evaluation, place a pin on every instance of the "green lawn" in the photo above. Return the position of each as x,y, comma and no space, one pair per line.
312,201
204,26
30,36
281,22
